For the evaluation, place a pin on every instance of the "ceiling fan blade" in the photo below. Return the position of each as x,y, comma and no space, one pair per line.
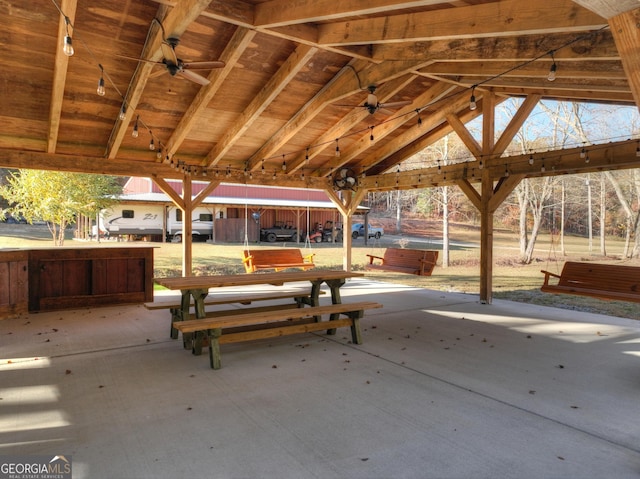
395,104
168,53
203,65
194,77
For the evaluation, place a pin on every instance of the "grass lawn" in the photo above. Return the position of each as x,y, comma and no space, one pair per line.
511,279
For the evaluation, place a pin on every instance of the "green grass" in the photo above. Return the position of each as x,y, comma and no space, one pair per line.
511,280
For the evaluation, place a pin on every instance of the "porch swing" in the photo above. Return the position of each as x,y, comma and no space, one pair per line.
277,259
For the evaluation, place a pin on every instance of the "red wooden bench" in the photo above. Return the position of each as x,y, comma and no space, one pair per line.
276,259
413,261
603,281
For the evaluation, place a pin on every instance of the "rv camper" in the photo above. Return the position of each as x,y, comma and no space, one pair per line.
149,221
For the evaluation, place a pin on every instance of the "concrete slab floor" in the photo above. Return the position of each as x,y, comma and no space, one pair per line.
442,387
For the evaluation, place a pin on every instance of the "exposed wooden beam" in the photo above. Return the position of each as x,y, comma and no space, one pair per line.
608,8
175,23
68,7
278,82
355,116
276,13
348,81
592,46
626,32
233,51
400,118
610,156
507,17
515,124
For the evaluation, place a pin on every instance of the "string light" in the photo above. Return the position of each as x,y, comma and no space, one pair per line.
552,70
638,150
531,159
337,147
419,117
583,153
371,136
472,101
134,132
67,46
152,145
101,90
123,112
284,164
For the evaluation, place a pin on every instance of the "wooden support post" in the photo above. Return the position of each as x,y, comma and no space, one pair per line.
486,239
187,227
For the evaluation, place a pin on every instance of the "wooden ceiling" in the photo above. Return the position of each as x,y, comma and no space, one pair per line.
294,82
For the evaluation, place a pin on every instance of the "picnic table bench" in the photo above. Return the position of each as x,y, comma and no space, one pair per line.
277,259
175,306
413,261
603,281
222,329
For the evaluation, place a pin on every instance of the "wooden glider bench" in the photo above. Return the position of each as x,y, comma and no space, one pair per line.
602,281
175,305
270,324
276,259
413,261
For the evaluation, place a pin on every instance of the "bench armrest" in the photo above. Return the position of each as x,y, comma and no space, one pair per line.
309,257
247,259
547,275
372,257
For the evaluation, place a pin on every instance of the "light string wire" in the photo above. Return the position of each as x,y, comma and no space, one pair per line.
188,168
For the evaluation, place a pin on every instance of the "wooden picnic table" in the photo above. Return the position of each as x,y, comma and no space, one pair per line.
197,287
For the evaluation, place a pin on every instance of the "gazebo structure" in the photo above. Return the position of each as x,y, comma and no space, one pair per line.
329,95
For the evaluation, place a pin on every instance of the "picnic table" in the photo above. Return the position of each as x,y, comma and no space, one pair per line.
198,287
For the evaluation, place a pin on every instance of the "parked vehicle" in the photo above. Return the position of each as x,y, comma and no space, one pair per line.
150,220
357,230
326,233
280,231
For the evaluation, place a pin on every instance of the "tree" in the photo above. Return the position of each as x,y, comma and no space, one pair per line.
58,197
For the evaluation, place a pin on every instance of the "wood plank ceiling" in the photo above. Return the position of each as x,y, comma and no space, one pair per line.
294,83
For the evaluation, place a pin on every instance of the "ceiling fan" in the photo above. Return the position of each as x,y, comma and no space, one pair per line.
372,105
345,179
178,67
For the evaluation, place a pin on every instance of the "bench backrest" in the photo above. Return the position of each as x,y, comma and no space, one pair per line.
610,277
409,258
275,256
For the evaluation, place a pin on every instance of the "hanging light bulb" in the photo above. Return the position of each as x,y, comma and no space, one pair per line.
552,70
472,101
152,145
638,151
100,90
67,46
583,153
337,148
306,156
531,159
123,112
284,164
371,136
263,170
419,117
134,132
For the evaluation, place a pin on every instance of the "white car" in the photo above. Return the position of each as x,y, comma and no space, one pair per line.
357,229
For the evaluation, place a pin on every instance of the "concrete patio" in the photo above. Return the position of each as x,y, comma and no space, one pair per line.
443,387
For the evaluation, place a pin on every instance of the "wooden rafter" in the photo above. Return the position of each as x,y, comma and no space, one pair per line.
175,23
232,53
278,82
68,7
507,17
